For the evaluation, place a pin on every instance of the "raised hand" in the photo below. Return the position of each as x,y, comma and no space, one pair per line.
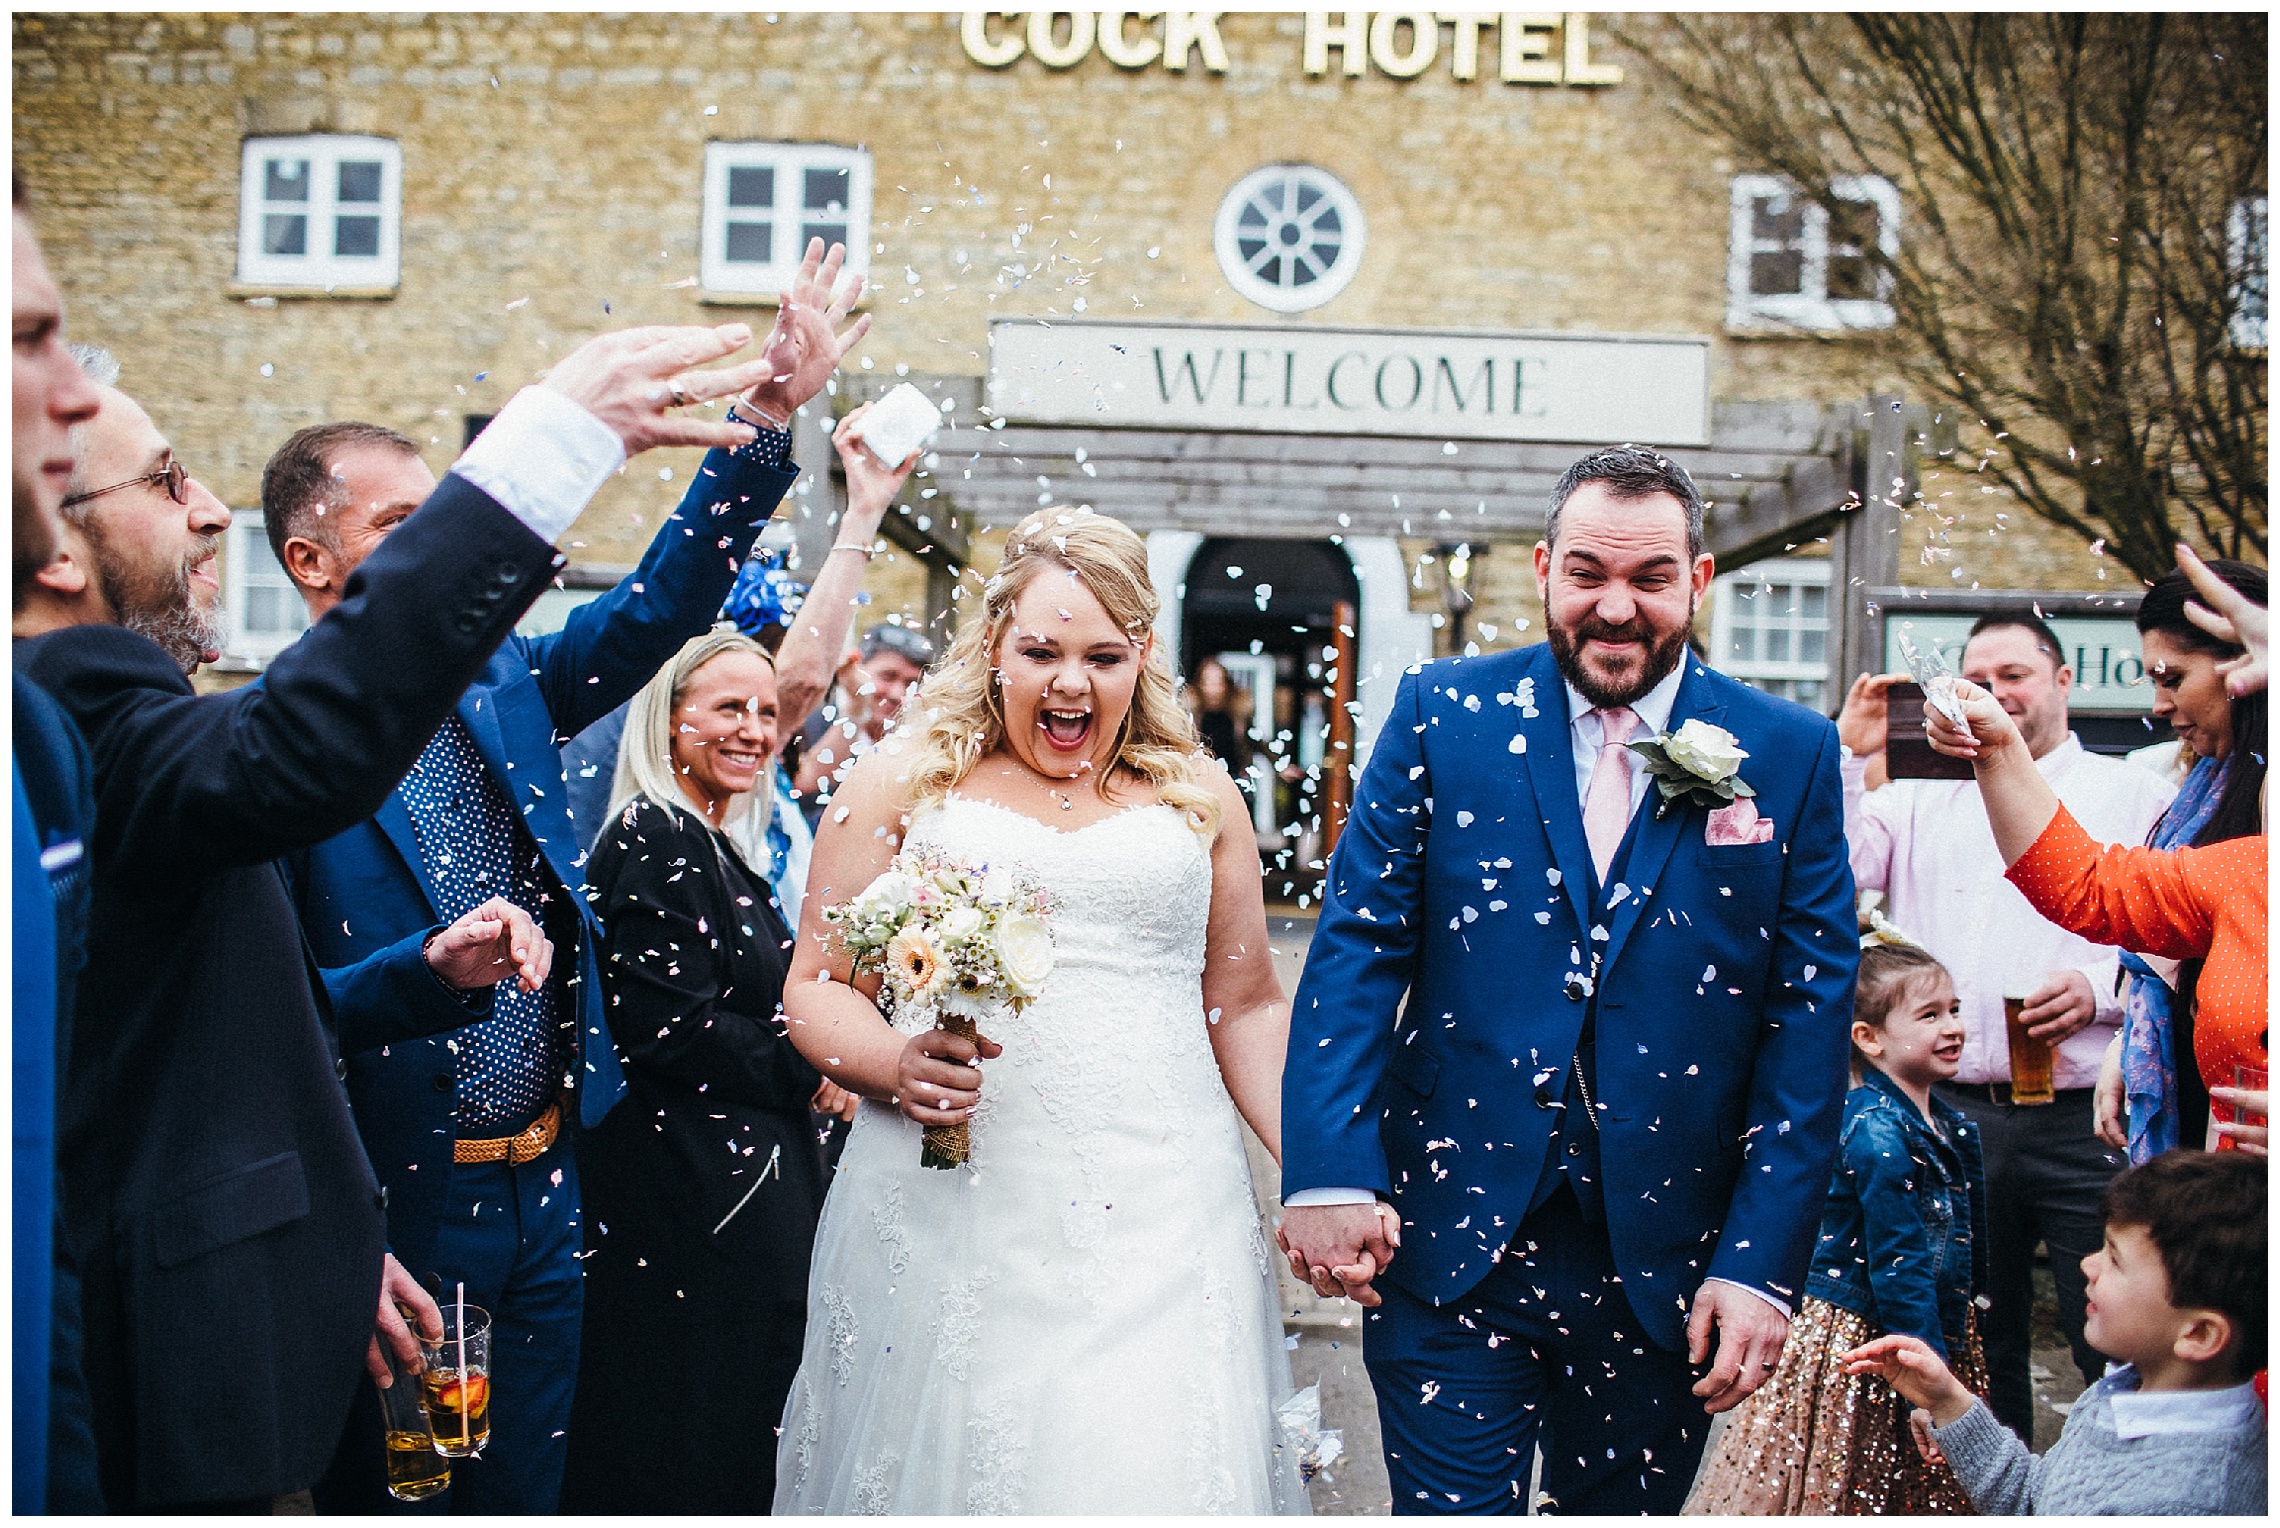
2229,616
493,942
1861,724
806,347
631,380
1922,1377
870,487
1750,1334
1991,726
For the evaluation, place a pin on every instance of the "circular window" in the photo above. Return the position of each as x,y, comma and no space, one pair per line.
1289,237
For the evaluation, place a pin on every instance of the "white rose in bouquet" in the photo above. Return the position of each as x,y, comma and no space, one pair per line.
997,887
961,924
884,899
1025,953
1708,752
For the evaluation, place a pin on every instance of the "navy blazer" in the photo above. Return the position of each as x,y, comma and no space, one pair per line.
365,898
1720,980
226,1221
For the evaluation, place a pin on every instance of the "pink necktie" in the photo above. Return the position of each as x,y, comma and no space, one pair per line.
1607,800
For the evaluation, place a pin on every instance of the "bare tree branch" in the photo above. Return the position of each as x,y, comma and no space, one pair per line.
2066,277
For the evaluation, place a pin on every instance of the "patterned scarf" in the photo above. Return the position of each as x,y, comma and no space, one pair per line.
2149,1069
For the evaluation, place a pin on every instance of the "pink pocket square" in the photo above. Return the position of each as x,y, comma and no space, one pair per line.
1738,824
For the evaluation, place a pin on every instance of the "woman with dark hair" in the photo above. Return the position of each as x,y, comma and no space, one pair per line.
2201,902
2146,1103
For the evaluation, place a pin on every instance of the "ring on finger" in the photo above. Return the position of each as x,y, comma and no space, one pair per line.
678,393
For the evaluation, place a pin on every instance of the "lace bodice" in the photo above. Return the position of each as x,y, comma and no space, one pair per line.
1080,1319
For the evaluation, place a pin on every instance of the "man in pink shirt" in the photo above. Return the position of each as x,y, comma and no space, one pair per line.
1926,845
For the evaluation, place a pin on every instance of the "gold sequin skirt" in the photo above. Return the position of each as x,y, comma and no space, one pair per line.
1816,1441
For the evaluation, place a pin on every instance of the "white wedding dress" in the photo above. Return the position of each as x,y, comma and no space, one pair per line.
1083,1317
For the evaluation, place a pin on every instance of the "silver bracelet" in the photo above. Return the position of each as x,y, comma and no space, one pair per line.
841,546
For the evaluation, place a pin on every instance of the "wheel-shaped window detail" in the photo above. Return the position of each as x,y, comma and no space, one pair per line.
1289,237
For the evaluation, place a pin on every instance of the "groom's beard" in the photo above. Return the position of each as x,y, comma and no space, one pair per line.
1621,686
162,607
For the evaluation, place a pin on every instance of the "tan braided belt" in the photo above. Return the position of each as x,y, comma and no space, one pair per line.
534,1142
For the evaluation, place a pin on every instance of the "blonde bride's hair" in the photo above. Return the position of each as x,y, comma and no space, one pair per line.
960,717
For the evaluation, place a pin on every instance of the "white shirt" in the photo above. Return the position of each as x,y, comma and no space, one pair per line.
2147,1413
542,457
1926,845
1586,733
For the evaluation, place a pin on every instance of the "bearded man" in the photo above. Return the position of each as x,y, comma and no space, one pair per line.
1589,1155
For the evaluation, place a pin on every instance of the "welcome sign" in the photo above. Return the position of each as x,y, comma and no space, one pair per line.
1314,380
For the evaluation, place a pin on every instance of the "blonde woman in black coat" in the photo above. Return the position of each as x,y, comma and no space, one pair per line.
703,1187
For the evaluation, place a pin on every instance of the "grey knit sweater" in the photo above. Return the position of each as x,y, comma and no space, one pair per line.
2092,1471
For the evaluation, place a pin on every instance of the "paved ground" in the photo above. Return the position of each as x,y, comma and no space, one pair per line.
1329,1338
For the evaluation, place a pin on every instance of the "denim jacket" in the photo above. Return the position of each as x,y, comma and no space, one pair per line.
1903,1232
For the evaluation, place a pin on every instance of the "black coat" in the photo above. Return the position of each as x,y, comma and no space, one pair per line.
701,1190
228,1226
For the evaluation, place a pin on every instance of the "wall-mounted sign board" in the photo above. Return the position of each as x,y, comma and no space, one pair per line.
1313,380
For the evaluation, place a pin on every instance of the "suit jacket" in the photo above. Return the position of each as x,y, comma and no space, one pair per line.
229,1226
365,894
1719,983
54,817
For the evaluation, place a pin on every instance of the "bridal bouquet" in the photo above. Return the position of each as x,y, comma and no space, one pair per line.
958,940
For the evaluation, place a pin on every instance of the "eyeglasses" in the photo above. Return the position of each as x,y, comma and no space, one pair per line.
174,474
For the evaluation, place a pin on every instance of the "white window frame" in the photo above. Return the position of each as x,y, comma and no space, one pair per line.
318,268
2248,255
1810,307
718,274
1726,604
1353,241
246,545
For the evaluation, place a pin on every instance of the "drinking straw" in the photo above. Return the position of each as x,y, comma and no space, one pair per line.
465,1411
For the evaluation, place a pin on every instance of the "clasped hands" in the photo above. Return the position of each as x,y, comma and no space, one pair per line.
1339,1250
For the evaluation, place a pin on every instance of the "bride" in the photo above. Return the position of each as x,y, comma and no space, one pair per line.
1082,1318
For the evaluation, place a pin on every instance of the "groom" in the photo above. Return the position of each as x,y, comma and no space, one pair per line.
1600,1130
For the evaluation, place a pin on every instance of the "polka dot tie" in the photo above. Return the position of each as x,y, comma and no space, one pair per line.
474,847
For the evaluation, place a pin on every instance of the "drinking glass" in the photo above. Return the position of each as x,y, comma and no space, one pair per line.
415,1470
456,1384
2030,1057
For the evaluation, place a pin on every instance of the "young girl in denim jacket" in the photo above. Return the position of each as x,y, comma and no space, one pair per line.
1899,1252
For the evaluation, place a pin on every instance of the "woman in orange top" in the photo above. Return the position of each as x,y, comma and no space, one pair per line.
2207,903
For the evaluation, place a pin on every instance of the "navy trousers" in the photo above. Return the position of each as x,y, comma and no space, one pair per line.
1546,1350
512,1234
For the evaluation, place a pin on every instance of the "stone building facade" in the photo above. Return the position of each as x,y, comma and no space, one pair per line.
541,177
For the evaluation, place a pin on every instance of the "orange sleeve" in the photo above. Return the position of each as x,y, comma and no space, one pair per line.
2153,901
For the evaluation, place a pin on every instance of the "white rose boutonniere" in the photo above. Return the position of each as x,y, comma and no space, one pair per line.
1698,763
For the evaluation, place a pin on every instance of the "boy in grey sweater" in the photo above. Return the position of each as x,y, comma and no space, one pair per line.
2177,1294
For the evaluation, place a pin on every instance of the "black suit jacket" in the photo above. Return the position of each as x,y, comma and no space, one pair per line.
229,1225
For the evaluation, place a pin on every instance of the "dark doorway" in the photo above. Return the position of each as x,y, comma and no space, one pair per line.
1270,613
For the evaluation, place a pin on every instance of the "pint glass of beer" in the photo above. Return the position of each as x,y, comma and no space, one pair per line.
2030,1057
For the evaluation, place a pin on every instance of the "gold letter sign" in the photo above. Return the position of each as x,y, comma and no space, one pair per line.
1532,47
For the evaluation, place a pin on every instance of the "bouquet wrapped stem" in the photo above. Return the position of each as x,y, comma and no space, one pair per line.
955,941
948,1146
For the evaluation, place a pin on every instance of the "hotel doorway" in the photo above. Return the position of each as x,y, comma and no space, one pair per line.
1278,619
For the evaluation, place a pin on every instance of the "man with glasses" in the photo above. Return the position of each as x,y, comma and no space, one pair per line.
150,530
229,1225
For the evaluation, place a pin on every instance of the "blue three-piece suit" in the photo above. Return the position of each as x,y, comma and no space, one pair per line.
1548,1262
